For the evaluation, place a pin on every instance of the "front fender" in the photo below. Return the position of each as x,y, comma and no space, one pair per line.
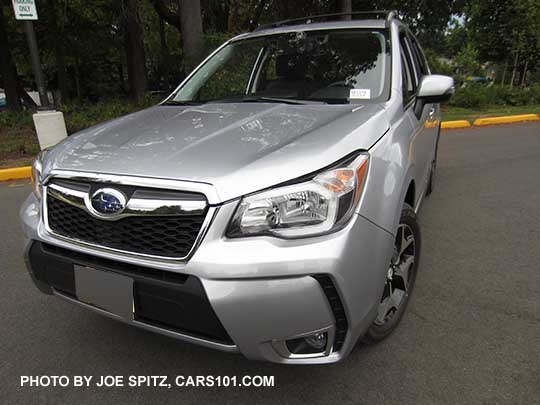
390,173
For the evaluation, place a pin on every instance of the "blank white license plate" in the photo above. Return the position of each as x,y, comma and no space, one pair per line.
109,291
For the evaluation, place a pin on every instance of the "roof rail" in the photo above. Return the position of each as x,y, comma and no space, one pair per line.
386,15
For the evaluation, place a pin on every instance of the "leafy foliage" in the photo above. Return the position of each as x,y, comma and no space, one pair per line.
467,61
83,48
506,31
480,96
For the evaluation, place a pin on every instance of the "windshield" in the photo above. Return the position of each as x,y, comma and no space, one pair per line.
335,66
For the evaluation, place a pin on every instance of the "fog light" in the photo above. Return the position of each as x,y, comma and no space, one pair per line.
311,344
317,341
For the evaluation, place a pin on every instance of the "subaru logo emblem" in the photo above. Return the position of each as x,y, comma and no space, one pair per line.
107,202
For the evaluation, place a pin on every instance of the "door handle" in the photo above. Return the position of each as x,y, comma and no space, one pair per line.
432,113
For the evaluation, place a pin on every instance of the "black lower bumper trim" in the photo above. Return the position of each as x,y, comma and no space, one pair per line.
168,300
338,310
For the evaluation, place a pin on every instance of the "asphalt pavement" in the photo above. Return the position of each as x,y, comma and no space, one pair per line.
471,333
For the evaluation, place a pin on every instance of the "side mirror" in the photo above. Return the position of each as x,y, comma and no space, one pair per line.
435,89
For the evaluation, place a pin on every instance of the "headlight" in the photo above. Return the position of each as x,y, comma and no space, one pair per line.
321,205
36,175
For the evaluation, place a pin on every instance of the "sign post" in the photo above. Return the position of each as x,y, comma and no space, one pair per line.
26,10
50,124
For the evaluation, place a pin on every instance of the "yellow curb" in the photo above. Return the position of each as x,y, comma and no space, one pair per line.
15,173
505,120
455,124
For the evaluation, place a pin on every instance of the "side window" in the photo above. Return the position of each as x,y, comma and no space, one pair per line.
409,78
422,62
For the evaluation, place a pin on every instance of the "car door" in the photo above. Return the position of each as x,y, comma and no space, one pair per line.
421,119
431,110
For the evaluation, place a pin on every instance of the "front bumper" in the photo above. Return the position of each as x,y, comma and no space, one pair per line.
260,290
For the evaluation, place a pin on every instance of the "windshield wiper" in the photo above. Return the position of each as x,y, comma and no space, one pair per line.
289,100
262,99
176,102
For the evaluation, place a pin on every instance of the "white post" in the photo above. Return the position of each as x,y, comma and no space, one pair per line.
50,128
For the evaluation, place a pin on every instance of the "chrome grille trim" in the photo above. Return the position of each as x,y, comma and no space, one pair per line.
166,184
135,206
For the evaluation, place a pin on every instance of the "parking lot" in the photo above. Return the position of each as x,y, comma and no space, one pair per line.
471,333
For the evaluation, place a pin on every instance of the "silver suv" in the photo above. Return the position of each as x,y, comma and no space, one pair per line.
267,207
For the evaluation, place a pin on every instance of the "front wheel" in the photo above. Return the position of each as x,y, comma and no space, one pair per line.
400,278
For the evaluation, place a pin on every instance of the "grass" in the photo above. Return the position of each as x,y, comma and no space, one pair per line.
450,113
17,144
7,164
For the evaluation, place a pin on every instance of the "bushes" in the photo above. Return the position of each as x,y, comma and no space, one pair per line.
81,115
17,134
477,95
437,65
10,119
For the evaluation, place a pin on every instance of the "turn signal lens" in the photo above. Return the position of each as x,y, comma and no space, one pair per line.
36,175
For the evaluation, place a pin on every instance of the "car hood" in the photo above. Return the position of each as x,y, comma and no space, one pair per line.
237,148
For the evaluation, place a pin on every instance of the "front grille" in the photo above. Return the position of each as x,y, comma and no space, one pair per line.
168,236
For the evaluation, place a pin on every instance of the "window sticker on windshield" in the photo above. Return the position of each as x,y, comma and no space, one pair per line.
360,94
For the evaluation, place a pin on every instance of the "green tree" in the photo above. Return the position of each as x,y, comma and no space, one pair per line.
428,19
455,38
8,71
467,62
506,32
186,17
133,40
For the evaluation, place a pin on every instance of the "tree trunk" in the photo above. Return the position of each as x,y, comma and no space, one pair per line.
504,72
257,13
233,25
169,16
524,73
77,78
164,57
133,41
59,53
344,6
8,69
121,84
191,27
514,70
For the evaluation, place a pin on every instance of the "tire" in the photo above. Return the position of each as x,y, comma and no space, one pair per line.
433,172
398,287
